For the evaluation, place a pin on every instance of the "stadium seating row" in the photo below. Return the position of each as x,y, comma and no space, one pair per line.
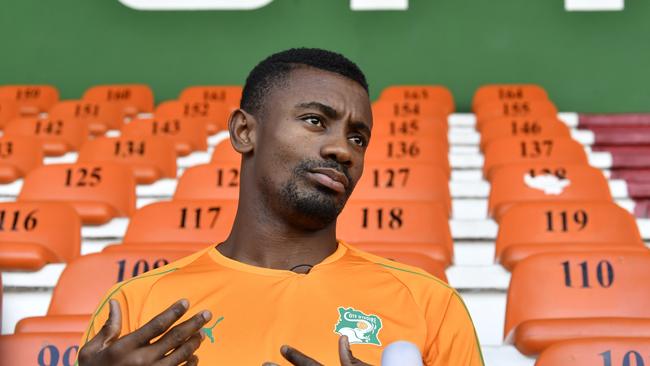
579,266
399,210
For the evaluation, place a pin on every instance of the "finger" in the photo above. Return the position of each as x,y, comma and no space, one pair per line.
184,352
297,358
110,330
345,354
180,333
193,361
158,325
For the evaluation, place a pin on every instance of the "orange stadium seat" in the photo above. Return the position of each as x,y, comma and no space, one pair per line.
31,99
57,136
397,222
521,183
511,150
18,156
77,293
8,112
531,228
35,234
182,222
39,349
522,127
561,296
214,115
98,116
98,191
409,109
597,351
506,92
435,94
430,129
188,135
132,98
150,158
404,182
209,181
406,150
225,153
519,109
230,95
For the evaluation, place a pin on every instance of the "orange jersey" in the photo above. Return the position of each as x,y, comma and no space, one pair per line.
255,310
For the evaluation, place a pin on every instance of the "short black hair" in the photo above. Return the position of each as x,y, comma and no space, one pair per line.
274,70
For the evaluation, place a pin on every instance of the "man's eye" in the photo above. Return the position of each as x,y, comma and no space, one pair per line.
313,120
358,140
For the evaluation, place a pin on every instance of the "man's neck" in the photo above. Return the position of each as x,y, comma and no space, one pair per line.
260,238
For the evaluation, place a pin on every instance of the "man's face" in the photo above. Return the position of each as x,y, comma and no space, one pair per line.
312,137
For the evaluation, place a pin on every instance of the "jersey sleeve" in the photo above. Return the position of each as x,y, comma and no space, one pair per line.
455,341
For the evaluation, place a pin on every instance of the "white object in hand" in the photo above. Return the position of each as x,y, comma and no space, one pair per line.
401,353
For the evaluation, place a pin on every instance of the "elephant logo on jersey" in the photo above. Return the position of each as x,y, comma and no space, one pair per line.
360,328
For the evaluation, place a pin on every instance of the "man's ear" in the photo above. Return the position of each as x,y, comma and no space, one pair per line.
242,127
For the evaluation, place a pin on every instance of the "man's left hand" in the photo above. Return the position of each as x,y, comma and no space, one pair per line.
298,358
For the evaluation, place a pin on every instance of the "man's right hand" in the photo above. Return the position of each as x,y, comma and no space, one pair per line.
175,347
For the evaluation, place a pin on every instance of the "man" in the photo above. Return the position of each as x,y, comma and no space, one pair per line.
281,285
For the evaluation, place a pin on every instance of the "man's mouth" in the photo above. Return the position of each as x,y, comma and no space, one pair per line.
330,178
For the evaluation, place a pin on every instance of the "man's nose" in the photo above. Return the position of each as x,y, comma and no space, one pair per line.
337,148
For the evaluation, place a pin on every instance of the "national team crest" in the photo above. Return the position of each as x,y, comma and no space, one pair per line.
358,327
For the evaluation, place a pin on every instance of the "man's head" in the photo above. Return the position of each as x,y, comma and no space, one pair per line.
303,128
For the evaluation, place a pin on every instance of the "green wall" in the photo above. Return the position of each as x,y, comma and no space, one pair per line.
591,62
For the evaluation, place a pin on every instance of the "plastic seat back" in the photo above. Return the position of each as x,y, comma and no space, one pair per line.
213,114
18,156
182,221
150,158
513,150
518,109
523,128
187,135
132,98
209,181
522,183
57,136
98,116
225,153
230,95
8,111
30,99
597,351
531,228
35,234
396,222
506,92
434,130
99,192
402,150
436,94
421,109
78,293
559,296
39,348
403,182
